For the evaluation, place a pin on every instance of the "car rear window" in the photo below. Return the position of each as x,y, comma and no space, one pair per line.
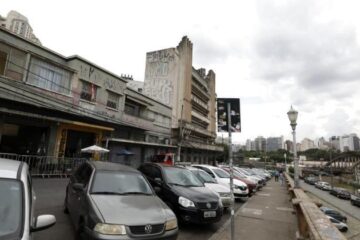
11,198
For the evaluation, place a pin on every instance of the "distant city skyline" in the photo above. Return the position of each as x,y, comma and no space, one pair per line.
270,54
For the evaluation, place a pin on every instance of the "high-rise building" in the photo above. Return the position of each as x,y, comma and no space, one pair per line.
260,144
335,142
274,143
248,145
19,25
306,144
349,143
171,79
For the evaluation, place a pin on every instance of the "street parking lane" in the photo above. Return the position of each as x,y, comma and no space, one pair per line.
342,204
50,194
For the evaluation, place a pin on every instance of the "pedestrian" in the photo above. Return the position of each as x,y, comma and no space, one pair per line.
282,177
276,176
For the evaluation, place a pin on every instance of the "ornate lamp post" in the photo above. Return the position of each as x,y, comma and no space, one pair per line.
293,114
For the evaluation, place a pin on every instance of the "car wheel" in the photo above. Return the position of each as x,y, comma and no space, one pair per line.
344,229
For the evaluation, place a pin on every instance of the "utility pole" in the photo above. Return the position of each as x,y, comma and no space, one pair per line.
181,135
231,174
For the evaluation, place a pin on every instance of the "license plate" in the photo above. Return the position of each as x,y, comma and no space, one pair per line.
209,214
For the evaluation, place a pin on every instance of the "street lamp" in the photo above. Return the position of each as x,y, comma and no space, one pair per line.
293,114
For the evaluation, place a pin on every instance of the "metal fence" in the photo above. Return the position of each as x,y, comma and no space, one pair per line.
47,166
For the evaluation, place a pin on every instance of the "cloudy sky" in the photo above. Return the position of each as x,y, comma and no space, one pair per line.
271,54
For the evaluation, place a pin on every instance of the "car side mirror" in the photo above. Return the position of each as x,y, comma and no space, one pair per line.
43,222
158,181
78,186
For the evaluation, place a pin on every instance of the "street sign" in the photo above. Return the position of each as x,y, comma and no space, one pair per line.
234,113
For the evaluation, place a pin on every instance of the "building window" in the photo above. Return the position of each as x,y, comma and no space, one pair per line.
48,76
3,59
88,91
113,100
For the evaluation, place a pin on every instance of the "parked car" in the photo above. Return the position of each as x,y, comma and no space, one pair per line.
18,203
184,193
340,225
323,185
333,213
241,190
252,186
112,201
260,180
212,184
355,200
341,193
311,180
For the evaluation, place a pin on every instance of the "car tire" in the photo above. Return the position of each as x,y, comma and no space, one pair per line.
66,209
344,229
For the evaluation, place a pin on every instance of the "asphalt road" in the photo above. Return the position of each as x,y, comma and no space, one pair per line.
341,204
50,197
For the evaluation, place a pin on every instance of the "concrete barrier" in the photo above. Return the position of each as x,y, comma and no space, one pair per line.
312,222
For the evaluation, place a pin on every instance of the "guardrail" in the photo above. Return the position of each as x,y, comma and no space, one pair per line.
312,222
46,166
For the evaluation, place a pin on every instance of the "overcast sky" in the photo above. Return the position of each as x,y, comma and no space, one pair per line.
270,54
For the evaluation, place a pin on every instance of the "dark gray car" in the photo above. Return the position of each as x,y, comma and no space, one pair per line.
113,201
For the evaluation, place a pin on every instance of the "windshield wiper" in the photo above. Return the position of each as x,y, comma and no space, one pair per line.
136,193
107,193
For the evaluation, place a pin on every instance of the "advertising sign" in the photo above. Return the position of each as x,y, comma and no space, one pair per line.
223,116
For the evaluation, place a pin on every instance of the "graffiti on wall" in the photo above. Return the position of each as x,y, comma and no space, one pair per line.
158,82
96,76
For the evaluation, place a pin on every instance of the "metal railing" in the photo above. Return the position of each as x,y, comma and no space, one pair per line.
312,222
47,166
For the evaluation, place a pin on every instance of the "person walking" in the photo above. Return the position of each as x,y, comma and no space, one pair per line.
276,176
282,178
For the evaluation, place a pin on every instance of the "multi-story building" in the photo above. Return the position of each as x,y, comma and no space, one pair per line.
274,143
54,105
321,143
306,144
260,144
19,24
334,142
171,79
349,143
248,145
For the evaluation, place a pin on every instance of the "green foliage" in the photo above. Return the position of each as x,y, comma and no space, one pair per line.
291,169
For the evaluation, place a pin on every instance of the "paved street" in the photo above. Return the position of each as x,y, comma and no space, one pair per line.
345,206
329,201
50,197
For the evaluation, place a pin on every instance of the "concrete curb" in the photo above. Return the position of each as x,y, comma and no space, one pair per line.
221,231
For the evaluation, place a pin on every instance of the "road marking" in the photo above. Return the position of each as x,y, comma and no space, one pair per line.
285,209
252,211
264,194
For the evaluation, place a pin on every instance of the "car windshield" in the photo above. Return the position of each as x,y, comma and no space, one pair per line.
182,177
221,173
120,183
203,176
10,209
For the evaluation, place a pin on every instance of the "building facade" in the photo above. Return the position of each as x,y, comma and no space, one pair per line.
260,144
19,25
349,143
306,144
171,79
274,143
51,105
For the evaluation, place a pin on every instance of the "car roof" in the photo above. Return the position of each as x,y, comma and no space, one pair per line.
165,165
9,168
110,166
204,165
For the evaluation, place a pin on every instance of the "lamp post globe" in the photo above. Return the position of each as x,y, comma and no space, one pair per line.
292,115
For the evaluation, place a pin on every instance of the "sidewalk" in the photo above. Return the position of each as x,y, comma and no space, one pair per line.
265,216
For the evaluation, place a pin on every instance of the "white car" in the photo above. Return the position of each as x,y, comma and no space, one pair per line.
343,227
241,190
323,185
17,203
211,183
